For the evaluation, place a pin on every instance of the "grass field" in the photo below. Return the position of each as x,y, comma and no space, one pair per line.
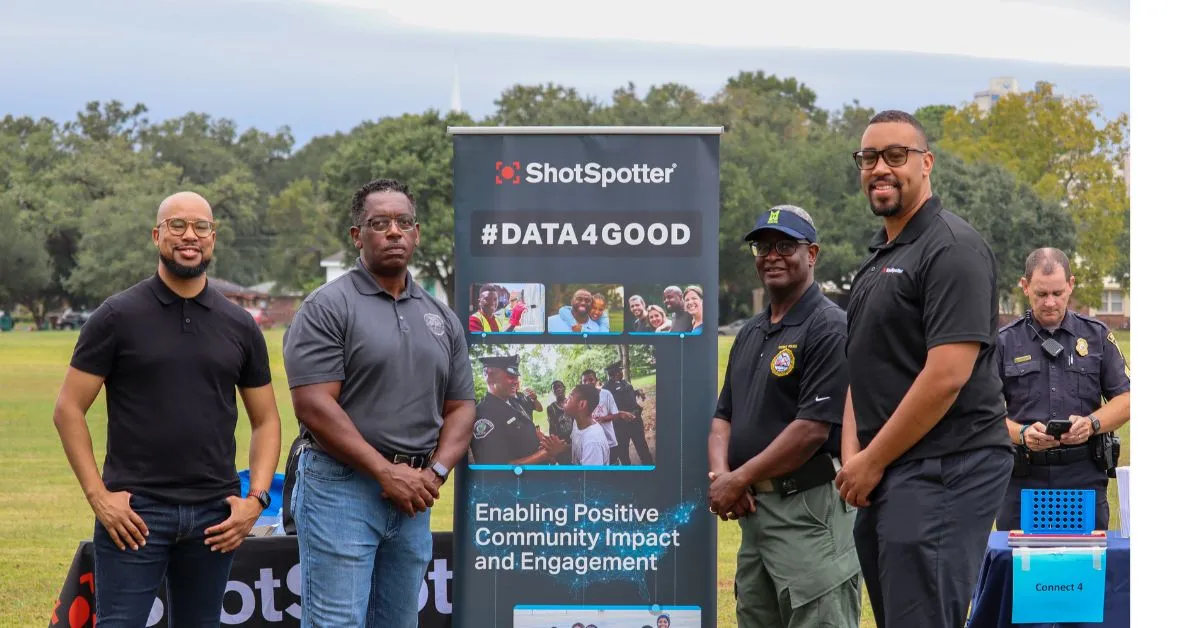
43,515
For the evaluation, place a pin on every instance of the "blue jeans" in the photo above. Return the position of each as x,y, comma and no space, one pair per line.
128,581
363,562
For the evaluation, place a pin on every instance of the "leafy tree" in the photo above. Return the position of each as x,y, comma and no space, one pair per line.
1054,144
304,227
415,149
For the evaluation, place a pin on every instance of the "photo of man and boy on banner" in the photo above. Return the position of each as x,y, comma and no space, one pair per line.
507,308
590,406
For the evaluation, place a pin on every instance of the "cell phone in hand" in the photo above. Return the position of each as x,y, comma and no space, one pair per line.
1058,427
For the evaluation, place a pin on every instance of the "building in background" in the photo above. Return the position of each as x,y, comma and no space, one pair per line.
997,88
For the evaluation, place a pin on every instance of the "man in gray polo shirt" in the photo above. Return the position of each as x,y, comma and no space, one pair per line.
382,386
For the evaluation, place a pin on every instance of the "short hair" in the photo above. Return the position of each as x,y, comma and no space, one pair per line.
590,394
359,203
557,382
637,297
586,373
697,289
1047,260
894,115
798,211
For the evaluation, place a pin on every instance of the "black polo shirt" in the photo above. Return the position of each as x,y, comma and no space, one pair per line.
1038,387
778,373
934,284
171,367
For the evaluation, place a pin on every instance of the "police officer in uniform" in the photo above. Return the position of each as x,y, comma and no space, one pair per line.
1058,365
774,442
634,429
504,432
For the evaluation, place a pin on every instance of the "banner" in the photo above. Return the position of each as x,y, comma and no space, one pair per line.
263,587
586,269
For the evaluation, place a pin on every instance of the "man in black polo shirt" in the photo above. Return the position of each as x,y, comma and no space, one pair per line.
925,448
774,442
382,386
171,353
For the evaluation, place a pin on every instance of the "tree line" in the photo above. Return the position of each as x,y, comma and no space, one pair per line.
78,197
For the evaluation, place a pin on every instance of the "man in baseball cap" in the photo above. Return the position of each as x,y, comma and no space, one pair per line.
775,441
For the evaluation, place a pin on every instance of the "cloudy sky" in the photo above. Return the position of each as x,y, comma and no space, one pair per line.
1049,31
320,66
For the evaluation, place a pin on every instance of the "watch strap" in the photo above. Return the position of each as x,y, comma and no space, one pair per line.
262,496
439,470
1095,423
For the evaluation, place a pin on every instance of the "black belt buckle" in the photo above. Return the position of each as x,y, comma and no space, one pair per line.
1054,456
416,462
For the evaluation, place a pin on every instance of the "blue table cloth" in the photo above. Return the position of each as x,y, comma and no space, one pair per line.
991,606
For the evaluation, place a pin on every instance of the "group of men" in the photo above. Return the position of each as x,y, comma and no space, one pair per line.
592,426
884,441
362,351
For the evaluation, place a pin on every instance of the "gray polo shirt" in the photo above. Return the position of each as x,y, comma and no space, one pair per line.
397,359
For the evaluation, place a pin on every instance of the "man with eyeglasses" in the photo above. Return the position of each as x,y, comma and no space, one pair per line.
171,353
925,451
382,387
774,441
1060,368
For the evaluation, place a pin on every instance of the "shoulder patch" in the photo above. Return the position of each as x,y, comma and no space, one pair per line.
482,428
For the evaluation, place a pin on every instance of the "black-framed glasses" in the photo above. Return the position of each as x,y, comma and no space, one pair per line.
179,226
894,156
380,224
785,248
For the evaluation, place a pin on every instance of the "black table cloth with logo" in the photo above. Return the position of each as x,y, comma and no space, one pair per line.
263,589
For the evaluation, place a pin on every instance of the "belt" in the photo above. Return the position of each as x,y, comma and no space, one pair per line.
820,469
416,461
1060,456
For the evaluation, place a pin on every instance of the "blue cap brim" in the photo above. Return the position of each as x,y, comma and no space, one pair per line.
792,233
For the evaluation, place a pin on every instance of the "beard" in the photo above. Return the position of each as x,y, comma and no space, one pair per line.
887,210
184,272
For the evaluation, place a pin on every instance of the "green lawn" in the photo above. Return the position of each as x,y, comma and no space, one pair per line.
43,515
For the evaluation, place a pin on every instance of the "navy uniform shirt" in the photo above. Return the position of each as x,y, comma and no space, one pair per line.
934,284
777,373
503,432
1039,388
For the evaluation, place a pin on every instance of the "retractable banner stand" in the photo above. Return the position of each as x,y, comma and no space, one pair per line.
586,268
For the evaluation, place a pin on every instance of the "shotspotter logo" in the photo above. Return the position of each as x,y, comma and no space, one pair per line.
591,173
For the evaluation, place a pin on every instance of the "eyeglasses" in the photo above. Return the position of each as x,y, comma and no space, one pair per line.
784,247
179,226
894,156
381,224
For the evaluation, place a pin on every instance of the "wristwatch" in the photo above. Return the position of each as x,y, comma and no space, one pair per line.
1095,424
439,470
263,497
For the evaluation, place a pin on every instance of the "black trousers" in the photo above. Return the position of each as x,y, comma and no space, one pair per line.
923,538
635,431
1077,475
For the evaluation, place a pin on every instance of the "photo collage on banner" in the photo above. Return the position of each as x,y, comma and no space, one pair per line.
582,263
